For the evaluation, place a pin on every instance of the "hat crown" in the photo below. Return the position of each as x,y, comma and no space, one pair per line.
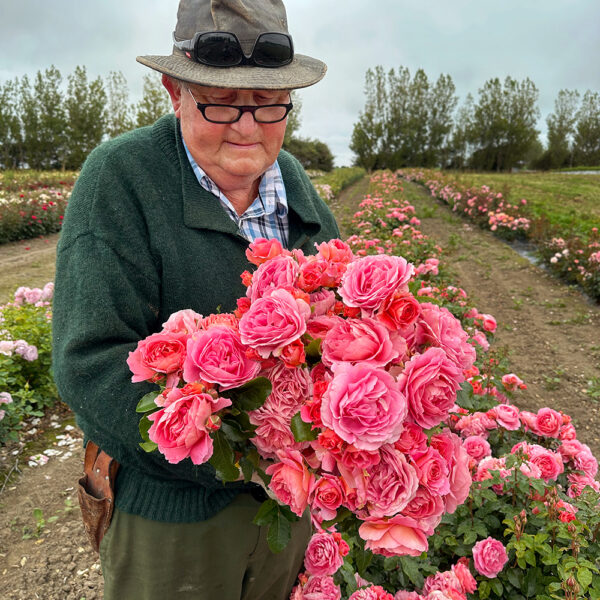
246,18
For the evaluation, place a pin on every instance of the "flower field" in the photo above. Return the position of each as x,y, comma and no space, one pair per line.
529,525
559,213
32,203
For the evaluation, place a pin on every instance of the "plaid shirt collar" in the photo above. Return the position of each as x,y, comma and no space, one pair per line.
271,200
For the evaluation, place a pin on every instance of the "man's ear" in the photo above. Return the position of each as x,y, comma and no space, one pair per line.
174,89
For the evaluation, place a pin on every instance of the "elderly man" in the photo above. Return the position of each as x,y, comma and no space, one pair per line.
159,221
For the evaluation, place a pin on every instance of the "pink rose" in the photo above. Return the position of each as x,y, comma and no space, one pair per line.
291,480
311,274
548,422
529,421
437,326
364,406
321,302
463,574
426,507
279,272
578,483
183,321
321,587
397,536
441,581
404,595
489,557
291,389
326,496
273,432
179,428
550,463
391,484
412,439
375,592
358,340
488,322
585,461
335,251
274,322
157,355
261,250
369,281
506,415
433,471
217,355
5,398
477,423
399,311
430,382
477,447
450,447
322,555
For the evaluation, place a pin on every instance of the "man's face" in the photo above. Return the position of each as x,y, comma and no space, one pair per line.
235,154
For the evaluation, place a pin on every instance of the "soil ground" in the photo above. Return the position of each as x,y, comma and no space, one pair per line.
551,331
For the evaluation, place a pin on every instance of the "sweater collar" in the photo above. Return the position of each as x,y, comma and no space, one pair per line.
200,211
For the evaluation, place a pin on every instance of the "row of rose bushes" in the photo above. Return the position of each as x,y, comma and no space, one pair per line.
26,383
32,203
573,258
530,526
330,185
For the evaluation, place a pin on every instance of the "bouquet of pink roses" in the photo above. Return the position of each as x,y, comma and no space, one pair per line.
334,373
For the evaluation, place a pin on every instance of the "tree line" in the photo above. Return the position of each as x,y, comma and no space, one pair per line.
53,123
49,123
414,121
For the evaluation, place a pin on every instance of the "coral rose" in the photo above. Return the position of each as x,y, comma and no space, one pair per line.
291,480
489,557
397,536
261,250
157,355
364,406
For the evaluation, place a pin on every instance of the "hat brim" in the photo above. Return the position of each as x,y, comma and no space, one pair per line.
303,71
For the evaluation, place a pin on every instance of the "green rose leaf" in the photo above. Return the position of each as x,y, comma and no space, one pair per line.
280,532
222,458
146,404
251,395
302,431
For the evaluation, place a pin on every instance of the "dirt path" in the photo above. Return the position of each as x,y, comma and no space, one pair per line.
28,262
552,333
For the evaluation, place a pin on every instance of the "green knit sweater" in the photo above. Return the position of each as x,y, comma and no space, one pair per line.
141,240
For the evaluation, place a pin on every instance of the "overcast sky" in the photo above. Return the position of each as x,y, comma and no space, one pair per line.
556,43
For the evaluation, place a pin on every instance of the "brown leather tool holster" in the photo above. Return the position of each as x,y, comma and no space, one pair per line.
96,492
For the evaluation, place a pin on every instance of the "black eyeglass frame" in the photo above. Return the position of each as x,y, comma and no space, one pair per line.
190,48
242,109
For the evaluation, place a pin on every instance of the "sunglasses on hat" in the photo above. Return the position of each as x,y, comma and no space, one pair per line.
223,49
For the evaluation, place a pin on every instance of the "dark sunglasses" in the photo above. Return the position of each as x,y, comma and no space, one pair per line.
223,49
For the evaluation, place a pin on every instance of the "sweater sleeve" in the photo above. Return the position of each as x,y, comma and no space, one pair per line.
107,294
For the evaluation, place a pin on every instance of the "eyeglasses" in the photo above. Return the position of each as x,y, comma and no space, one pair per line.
228,113
223,49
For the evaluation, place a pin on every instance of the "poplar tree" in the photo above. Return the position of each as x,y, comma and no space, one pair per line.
155,101
85,104
561,128
119,112
586,143
11,139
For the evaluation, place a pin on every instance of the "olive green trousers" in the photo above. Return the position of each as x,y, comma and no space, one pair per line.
223,558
